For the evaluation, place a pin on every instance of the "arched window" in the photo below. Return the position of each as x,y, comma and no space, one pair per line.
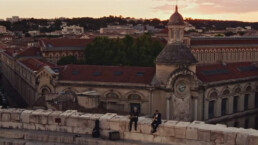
256,100
178,34
134,97
246,100
224,106
211,109
235,104
112,96
172,34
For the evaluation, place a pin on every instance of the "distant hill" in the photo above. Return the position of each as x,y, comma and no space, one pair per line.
96,23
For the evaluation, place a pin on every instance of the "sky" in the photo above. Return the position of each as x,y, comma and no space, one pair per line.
242,10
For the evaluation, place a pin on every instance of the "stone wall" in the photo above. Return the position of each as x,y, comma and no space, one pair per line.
169,132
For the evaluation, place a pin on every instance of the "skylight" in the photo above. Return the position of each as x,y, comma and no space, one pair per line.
118,73
97,73
247,68
215,72
75,72
140,74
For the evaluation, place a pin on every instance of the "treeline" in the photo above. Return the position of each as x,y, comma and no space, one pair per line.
92,24
128,51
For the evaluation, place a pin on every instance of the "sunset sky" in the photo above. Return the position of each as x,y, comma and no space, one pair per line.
243,10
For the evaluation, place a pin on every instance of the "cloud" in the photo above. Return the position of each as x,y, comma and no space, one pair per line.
210,6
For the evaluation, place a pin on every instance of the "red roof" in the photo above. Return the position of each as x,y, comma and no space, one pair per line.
219,72
122,74
65,42
33,51
34,64
224,41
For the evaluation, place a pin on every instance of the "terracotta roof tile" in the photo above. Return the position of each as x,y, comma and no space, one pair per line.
35,64
219,72
33,51
122,74
65,42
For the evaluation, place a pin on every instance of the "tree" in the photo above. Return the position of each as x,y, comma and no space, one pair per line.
128,51
68,60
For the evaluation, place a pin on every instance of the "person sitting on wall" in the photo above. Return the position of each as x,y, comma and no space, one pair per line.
156,121
134,118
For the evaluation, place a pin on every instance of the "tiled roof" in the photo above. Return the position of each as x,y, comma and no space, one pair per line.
122,74
220,72
224,41
64,42
34,64
175,53
33,51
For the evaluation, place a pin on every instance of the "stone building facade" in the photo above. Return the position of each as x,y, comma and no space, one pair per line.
178,86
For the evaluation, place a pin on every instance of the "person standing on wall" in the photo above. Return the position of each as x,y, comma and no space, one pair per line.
156,121
134,118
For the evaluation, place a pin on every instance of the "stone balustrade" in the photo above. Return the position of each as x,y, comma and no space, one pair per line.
169,132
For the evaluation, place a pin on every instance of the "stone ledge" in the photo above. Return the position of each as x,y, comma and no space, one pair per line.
169,132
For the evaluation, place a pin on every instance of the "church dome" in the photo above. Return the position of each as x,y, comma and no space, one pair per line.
176,18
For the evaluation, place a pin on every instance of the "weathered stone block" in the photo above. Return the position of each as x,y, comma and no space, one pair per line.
230,135
25,116
53,116
167,129
72,121
15,115
79,130
242,137
217,137
104,120
180,129
40,127
204,132
6,117
11,134
138,136
173,140
83,121
65,115
124,123
114,123
145,126
92,120
51,127
253,139
39,116
192,132
29,126
13,125
64,129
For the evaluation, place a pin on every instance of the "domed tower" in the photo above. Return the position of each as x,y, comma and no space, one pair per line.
175,72
176,27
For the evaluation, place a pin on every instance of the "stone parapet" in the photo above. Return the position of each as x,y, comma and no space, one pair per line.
169,132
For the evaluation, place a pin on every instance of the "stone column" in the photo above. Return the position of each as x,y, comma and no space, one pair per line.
195,107
168,98
150,101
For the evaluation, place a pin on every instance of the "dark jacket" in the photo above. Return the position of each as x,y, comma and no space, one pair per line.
158,119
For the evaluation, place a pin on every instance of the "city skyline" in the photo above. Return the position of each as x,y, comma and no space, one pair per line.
241,10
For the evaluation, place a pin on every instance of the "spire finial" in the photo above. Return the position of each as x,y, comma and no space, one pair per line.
176,6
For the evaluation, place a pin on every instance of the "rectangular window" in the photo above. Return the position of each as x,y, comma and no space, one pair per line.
224,106
211,109
235,104
246,101
256,100
256,122
246,123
